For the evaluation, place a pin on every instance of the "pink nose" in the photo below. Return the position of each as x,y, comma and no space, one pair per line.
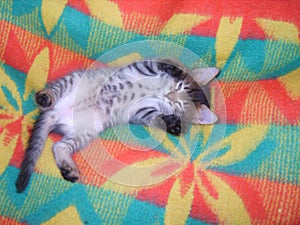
171,95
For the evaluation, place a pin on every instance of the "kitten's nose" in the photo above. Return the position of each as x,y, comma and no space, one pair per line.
172,95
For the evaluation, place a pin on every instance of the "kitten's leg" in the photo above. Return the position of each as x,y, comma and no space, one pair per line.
173,124
47,97
63,151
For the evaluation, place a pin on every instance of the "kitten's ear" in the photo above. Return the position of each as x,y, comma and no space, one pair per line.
203,75
204,116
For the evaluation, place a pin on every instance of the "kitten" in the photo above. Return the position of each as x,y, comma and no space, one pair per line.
154,92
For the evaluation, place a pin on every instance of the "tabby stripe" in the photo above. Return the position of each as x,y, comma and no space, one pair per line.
135,65
129,84
144,109
66,83
58,86
132,96
148,113
71,80
149,66
56,91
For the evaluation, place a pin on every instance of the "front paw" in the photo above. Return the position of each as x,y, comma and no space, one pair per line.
69,172
173,124
44,99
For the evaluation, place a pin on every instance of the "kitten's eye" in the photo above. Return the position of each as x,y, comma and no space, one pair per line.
186,104
178,86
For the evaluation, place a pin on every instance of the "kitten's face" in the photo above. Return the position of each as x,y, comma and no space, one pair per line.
184,94
177,96
187,98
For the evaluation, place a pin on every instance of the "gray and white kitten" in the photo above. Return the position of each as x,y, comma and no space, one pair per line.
156,92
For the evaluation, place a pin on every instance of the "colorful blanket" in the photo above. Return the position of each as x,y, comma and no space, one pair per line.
243,170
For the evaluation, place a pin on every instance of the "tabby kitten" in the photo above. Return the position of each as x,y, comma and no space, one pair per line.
154,92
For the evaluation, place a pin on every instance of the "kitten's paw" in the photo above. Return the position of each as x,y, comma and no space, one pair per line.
69,172
173,124
44,99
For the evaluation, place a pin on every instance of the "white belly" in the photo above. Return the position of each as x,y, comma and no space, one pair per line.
77,116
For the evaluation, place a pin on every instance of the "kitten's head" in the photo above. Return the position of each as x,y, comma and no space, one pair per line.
186,95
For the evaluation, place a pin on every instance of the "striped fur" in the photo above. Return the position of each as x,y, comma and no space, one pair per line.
162,93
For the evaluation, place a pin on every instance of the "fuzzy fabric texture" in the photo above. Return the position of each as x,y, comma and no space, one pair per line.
242,170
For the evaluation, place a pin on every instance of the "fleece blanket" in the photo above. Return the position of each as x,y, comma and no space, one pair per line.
242,170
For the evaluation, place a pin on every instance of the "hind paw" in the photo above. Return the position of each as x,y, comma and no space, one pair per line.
69,172
44,99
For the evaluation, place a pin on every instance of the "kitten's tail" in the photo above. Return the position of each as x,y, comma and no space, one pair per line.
42,127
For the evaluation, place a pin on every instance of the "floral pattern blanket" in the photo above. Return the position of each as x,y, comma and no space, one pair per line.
243,170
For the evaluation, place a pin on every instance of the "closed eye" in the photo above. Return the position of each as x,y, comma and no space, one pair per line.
178,86
186,104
